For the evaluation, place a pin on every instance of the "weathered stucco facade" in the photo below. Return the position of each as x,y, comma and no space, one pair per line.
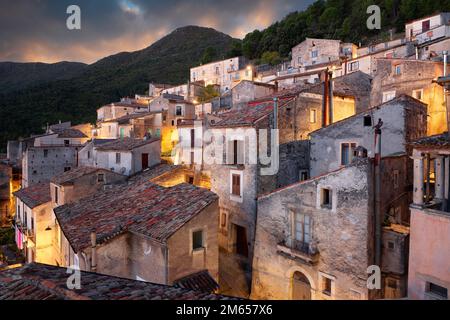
339,245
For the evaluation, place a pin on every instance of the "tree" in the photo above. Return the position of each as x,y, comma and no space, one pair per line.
271,57
236,49
208,93
208,55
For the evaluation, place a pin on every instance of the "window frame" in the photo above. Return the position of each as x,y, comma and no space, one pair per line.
234,196
193,242
351,149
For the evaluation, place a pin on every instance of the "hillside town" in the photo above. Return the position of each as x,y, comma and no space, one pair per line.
326,177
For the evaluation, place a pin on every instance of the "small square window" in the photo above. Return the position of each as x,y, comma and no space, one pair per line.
368,121
66,142
101,178
197,240
67,169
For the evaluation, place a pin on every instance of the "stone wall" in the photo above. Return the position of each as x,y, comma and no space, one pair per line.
341,239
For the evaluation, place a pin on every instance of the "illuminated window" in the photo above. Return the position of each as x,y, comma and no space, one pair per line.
313,116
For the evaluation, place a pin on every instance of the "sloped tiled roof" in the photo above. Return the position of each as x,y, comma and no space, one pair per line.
76,173
125,144
246,116
43,282
440,141
200,281
35,195
143,208
68,133
355,84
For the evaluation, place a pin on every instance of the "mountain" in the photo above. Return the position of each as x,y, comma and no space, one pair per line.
18,76
76,98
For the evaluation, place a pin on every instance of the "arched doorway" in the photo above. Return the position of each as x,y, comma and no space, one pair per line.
301,288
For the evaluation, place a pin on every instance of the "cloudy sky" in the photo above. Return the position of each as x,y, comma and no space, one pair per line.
35,30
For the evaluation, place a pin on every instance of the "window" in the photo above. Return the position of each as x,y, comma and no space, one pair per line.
56,195
368,121
101,178
223,220
67,169
391,245
314,54
66,142
398,70
325,198
388,96
217,71
197,240
89,154
302,229
45,153
312,115
236,185
235,152
353,66
425,25
347,153
418,94
299,60
326,285
179,111
117,158
437,290
303,175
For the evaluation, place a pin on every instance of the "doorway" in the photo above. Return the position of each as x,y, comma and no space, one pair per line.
301,288
144,161
241,241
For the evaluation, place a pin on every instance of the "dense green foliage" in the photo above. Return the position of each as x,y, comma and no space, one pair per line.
168,60
17,76
337,19
208,93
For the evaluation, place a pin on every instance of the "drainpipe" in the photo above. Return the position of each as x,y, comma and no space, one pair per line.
331,103
445,62
325,100
377,164
275,113
93,251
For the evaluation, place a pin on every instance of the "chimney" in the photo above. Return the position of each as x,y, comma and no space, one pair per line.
93,251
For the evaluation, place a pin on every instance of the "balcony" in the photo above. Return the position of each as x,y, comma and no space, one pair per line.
299,251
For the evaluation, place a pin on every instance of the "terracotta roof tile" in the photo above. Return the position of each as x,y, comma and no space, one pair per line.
35,195
440,141
201,281
143,208
72,175
125,144
42,282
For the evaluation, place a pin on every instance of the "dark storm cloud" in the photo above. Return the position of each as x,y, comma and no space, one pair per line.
35,30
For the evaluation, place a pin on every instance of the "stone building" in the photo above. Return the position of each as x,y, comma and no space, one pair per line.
318,51
126,156
429,259
313,239
39,164
174,109
119,109
143,231
135,125
32,220
81,182
246,91
394,77
43,282
224,73
404,120
5,193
